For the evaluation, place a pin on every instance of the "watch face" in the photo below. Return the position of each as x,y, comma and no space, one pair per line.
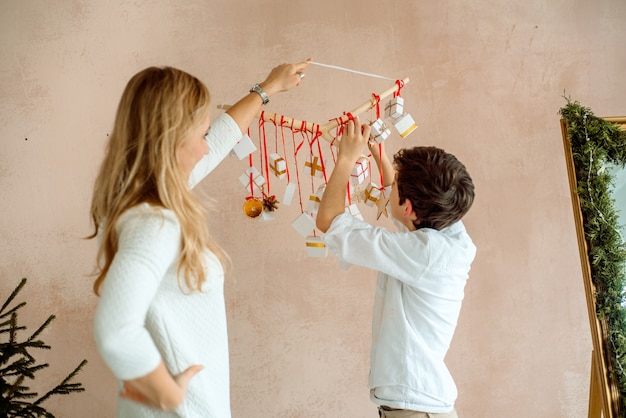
257,89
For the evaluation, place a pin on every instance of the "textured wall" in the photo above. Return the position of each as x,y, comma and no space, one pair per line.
487,81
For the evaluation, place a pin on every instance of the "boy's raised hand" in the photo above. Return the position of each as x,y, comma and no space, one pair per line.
354,139
377,150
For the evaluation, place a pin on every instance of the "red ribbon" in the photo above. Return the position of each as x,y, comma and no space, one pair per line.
282,133
380,153
400,84
377,98
251,179
295,160
263,152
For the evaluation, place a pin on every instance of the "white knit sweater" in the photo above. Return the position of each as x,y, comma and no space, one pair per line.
144,317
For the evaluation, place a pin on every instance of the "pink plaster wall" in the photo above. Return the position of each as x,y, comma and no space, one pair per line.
487,80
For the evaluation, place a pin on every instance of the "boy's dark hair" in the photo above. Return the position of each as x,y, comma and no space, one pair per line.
438,185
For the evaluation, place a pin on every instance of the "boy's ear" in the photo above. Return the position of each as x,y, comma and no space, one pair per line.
409,213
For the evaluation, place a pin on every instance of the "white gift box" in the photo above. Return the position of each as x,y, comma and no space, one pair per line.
383,136
405,125
394,108
290,191
315,247
315,199
379,131
278,165
266,215
360,171
245,180
372,194
314,167
304,224
313,204
257,179
353,210
243,148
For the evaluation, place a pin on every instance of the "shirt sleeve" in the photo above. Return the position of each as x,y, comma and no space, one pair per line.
222,137
148,245
402,255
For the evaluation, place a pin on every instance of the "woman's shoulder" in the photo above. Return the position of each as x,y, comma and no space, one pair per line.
149,220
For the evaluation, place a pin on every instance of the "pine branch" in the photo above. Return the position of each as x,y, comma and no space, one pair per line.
65,387
17,364
13,294
42,327
19,368
14,309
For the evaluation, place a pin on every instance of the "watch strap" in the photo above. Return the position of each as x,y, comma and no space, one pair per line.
257,89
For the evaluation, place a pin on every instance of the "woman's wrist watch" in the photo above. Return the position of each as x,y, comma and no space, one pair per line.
257,89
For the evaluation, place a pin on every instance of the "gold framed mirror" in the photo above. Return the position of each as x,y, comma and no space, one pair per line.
595,154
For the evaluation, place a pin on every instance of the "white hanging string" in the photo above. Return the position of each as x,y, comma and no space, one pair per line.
336,67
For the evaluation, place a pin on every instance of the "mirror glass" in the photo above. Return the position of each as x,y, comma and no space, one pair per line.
618,190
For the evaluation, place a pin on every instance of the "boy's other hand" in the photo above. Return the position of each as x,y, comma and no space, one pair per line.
355,137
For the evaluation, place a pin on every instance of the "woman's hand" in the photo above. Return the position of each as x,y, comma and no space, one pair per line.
284,77
152,390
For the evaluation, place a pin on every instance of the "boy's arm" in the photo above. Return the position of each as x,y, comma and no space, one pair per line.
382,162
350,149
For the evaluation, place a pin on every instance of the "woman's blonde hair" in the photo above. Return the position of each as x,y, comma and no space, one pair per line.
158,108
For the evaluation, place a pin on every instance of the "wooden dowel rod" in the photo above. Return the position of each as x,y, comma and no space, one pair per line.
365,106
284,121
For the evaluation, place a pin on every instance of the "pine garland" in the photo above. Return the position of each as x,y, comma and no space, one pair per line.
595,143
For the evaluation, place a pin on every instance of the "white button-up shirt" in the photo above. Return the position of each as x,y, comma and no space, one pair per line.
421,281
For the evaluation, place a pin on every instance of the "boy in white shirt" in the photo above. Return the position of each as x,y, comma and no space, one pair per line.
422,269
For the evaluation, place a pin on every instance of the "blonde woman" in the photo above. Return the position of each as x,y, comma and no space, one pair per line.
160,324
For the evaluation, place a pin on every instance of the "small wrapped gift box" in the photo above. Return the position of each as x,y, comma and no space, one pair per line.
290,191
379,131
394,108
313,204
257,179
278,165
405,125
314,167
360,171
353,210
315,199
372,194
243,148
304,225
266,216
315,247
